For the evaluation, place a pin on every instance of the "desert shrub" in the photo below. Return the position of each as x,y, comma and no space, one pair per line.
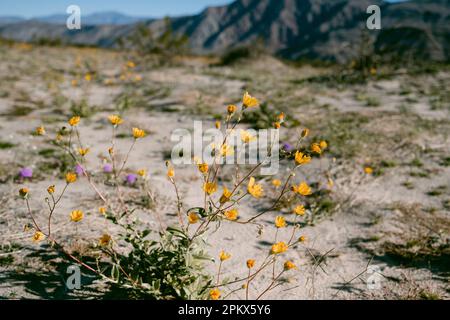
48,42
170,268
82,109
235,55
169,262
145,41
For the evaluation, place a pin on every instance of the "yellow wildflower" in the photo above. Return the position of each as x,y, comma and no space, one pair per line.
83,151
203,168
277,125
76,215
102,210
368,170
289,265
71,177
300,210
280,222
276,183
170,172
104,240
217,124
23,192
210,187
315,147
254,189
224,255
74,121
88,77
38,236
232,214
248,101
250,263
231,109
323,144
226,195
226,150
279,247
214,294
142,173
138,133
51,189
305,133
301,158
246,137
131,64
40,131
193,218
115,119
302,189
302,239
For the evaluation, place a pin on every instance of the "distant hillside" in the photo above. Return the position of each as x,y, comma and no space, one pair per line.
314,29
95,19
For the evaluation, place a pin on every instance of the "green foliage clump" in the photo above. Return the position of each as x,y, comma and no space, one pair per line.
145,41
171,267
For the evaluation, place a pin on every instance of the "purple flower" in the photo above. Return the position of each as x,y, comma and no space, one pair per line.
287,147
107,168
79,170
131,178
26,173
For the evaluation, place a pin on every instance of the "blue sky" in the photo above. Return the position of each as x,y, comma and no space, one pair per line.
146,8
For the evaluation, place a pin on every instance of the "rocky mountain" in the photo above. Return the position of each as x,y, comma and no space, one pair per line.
294,29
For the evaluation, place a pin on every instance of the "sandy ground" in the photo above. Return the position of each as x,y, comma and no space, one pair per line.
391,125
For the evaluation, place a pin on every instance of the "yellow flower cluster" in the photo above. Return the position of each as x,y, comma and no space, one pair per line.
232,214
74,121
138,133
302,189
224,255
254,189
115,120
301,158
76,215
249,102
279,247
71,177
210,187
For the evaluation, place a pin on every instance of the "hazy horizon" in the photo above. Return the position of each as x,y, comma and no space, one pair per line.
138,8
